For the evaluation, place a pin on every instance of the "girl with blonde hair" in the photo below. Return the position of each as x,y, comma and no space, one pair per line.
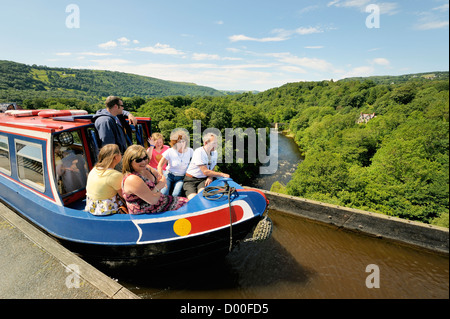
103,188
156,149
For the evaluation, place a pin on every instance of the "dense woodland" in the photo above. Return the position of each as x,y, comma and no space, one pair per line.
395,163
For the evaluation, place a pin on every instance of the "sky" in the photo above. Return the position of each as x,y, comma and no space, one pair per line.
230,44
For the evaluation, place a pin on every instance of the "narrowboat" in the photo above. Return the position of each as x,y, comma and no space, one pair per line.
45,157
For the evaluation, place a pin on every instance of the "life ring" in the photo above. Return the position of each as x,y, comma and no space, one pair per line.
23,113
53,113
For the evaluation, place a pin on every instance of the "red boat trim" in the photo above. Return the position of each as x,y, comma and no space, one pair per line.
198,224
53,113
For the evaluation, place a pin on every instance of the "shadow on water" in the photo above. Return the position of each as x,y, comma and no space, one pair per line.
249,267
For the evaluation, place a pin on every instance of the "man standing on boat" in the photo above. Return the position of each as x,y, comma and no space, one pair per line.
110,128
200,172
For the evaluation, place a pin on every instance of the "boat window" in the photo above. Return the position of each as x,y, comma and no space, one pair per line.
70,162
30,164
5,164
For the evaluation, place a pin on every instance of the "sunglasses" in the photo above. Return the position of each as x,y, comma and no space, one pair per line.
138,160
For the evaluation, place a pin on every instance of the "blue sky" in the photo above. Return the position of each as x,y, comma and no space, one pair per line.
230,45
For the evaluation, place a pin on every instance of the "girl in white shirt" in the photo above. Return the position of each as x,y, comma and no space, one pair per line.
177,159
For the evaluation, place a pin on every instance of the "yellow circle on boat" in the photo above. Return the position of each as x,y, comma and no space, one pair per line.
182,227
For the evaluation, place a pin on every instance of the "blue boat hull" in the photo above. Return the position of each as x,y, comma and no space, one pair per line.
156,239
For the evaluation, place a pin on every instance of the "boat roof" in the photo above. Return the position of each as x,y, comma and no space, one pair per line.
34,122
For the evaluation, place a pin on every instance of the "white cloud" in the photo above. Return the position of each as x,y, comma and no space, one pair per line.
436,18
63,54
241,37
280,35
314,47
308,9
159,48
108,45
361,71
293,69
123,41
443,8
310,30
432,25
389,8
309,63
204,56
381,61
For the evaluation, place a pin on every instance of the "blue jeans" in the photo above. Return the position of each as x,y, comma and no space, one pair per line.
173,181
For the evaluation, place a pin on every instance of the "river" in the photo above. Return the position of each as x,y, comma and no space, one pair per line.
289,157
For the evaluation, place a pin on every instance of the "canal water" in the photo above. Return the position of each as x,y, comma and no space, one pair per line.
302,260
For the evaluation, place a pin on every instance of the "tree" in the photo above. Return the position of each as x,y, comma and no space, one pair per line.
158,110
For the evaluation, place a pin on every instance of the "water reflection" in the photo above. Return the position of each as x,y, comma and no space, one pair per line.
252,270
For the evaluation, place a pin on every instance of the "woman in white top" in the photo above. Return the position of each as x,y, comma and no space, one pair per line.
177,159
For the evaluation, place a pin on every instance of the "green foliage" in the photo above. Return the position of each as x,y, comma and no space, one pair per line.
278,187
396,164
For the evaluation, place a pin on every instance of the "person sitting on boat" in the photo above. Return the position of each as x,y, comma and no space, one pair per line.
109,127
177,159
104,184
71,169
156,149
200,172
142,185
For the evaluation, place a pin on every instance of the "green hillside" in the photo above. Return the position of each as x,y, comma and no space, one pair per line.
377,147
19,82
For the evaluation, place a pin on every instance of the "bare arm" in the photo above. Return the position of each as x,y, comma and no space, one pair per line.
211,173
135,185
163,161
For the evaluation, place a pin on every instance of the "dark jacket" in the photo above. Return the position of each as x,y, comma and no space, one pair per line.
108,130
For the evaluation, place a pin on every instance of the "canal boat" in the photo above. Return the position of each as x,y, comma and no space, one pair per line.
45,157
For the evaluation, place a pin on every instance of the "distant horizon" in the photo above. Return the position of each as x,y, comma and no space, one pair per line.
241,91
233,46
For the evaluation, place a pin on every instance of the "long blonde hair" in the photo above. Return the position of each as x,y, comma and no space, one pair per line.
106,156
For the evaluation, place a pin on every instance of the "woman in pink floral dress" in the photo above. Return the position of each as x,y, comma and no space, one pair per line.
142,184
